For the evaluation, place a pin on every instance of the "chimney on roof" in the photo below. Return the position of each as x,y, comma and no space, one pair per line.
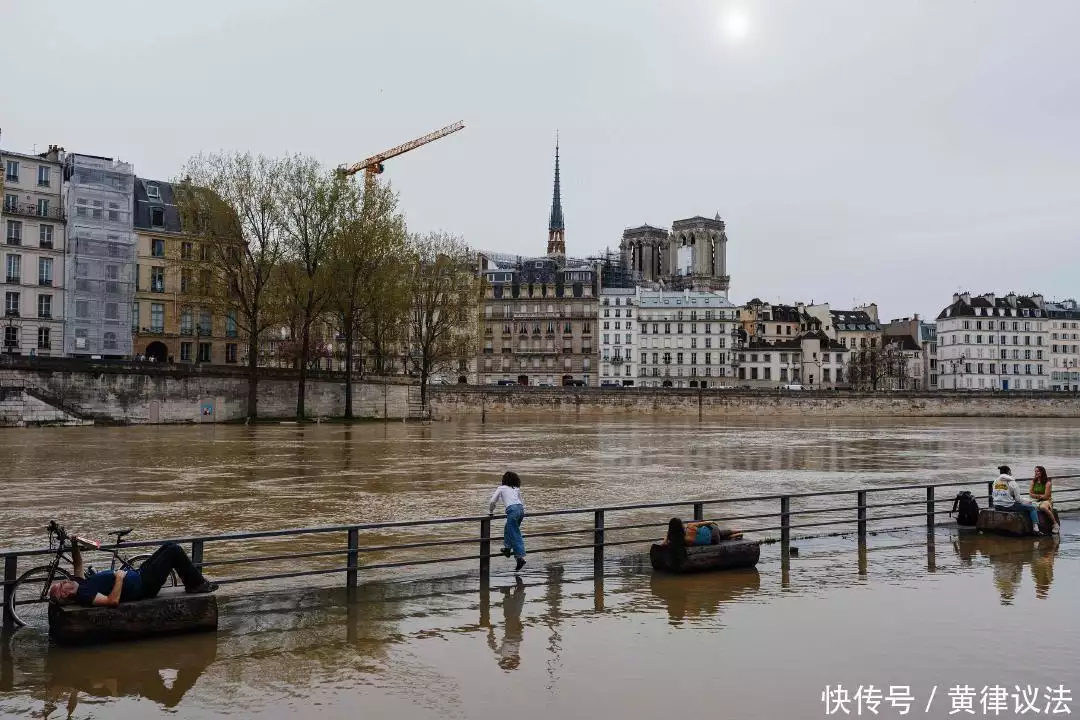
990,298
1038,300
1011,297
955,298
966,297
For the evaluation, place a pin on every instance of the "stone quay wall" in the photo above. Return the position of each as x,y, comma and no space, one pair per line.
140,393
456,401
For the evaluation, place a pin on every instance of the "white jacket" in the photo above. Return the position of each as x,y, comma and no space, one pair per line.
1006,492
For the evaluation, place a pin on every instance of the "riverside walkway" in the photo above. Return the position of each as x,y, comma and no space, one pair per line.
339,550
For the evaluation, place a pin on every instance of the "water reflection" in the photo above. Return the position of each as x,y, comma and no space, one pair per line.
1008,556
699,596
508,652
162,672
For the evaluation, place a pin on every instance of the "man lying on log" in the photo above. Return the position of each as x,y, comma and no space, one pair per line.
110,588
697,533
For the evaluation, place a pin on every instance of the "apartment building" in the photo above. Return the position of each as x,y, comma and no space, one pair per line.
32,219
682,337
618,336
172,318
987,342
1064,319
765,322
811,359
925,336
99,272
538,323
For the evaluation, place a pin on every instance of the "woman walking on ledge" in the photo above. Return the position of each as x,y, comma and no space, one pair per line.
510,494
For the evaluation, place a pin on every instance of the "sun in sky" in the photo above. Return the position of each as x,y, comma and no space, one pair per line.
734,24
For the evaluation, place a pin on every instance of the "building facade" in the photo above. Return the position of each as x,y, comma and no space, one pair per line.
172,318
539,323
693,255
810,359
100,267
618,337
682,338
764,322
987,342
1064,345
32,219
925,336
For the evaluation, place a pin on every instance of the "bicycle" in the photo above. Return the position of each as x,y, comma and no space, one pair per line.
28,603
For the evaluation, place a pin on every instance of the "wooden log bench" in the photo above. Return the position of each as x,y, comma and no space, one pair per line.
1004,522
172,612
726,555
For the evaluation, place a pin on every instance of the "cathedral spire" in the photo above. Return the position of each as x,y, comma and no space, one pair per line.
556,223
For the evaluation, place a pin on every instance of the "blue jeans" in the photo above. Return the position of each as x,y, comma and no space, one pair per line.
1024,507
512,532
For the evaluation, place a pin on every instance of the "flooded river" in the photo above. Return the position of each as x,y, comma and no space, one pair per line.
907,609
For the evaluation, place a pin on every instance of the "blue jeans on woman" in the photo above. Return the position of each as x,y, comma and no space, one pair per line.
1024,507
512,539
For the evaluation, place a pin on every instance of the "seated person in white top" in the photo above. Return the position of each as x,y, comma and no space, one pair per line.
1006,496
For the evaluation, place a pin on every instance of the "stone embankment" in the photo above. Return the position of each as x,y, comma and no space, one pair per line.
456,401
75,392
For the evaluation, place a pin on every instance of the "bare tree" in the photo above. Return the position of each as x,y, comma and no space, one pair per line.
444,294
230,203
878,368
313,204
367,250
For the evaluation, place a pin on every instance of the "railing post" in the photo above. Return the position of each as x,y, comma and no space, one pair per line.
197,553
11,572
353,561
598,543
929,506
862,515
485,547
990,494
699,512
785,520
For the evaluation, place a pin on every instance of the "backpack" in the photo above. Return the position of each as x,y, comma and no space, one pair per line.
966,508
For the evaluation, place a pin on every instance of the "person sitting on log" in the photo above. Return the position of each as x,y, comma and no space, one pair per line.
1040,492
700,532
1006,497
110,588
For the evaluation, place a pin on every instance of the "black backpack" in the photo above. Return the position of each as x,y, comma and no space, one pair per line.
966,508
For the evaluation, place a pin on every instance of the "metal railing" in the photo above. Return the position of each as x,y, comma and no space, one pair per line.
595,535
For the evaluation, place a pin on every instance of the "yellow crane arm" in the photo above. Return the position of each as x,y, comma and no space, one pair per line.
373,163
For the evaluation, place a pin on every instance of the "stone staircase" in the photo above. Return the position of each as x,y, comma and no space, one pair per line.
24,405
416,408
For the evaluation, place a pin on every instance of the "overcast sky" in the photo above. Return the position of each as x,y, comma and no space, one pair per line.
888,150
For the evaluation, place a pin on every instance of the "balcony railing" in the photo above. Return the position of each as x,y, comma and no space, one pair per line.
14,240
32,210
46,245
45,282
13,279
44,315
46,345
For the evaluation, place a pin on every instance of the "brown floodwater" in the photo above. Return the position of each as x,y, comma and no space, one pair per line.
906,609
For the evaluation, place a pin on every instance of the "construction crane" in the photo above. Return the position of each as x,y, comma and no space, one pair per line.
374,165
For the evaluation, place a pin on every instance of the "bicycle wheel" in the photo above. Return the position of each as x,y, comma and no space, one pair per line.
29,603
135,562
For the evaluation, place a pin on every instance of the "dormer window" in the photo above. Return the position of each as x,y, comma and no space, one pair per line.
157,217
153,192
